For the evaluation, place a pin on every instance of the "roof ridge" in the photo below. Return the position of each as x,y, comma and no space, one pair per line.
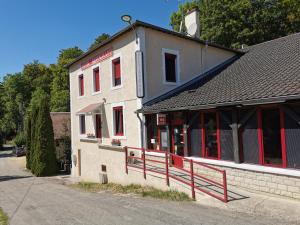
276,39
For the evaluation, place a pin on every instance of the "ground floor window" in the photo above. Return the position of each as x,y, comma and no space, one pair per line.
152,132
98,126
118,121
82,124
271,136
210,135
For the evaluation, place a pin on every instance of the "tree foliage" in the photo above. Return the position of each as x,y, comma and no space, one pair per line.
43,159
60,97
235,22
102,37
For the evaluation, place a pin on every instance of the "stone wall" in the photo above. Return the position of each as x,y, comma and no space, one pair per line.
283,185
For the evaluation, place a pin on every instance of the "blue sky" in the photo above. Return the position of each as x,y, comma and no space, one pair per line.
38,29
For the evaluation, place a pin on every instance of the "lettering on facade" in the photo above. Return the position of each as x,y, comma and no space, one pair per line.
96,59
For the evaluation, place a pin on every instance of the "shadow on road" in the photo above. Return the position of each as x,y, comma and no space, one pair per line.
6,154
7,178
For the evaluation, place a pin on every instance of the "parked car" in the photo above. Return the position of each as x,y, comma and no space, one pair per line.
20,151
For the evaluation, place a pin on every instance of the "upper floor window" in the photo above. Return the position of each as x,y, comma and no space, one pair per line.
96,77
82,124
118,121
116,64
81,85
171,66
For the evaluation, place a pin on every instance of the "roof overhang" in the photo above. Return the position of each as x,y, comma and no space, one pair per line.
91,109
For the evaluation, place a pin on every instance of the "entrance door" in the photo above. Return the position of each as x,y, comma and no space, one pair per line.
271,140
98,126
177,145
210,136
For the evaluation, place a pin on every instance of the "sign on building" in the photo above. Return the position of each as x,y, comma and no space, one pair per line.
139,74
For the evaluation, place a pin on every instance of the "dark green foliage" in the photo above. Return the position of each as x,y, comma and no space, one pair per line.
20,139
60,93
28,139
102,37
43,159
235,22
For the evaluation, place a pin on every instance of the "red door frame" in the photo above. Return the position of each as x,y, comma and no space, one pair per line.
260,136
218,134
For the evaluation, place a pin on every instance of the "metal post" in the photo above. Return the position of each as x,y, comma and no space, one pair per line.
235,136
167,168
225,187
192,179
144,162
126,159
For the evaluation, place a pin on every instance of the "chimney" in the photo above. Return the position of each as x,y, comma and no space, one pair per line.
192,23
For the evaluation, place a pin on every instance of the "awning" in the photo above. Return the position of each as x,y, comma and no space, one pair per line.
92,108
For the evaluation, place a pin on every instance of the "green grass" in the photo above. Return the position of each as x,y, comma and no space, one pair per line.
3,218
145,191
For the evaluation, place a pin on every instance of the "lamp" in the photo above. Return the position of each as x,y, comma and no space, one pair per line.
127,19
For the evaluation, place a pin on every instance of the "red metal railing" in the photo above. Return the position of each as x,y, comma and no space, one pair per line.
189,171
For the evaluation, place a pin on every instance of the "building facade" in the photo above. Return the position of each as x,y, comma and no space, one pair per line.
158,89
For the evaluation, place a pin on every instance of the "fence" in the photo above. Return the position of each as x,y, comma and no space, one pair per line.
141,162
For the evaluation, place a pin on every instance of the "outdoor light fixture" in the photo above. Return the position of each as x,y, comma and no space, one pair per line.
127,19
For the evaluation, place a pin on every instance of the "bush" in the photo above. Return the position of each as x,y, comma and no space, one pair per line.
20,139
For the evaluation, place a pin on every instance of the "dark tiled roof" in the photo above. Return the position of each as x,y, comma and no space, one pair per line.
268,72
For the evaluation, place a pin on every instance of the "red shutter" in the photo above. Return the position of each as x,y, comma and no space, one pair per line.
81,85
96,80
117,69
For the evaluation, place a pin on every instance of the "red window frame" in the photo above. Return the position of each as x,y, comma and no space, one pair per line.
96,74
260,137
82,127
117,80
118,121
203,132
81,85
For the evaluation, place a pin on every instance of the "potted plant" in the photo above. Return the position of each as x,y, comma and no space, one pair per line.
90,135
116,142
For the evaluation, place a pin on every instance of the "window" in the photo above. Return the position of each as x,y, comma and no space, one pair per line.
98,126
118,121
271,136
116,72
82,124
210,135
96,80
170,67
81,85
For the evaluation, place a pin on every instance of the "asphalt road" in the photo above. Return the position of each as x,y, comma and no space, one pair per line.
42,201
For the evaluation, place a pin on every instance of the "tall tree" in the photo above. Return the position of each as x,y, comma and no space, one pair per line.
235,22
43,161
39,75
102,37
15,98
60,93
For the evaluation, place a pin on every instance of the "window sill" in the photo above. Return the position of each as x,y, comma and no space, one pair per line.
81,96
250,167
90,140
96,93
116,87
171,83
